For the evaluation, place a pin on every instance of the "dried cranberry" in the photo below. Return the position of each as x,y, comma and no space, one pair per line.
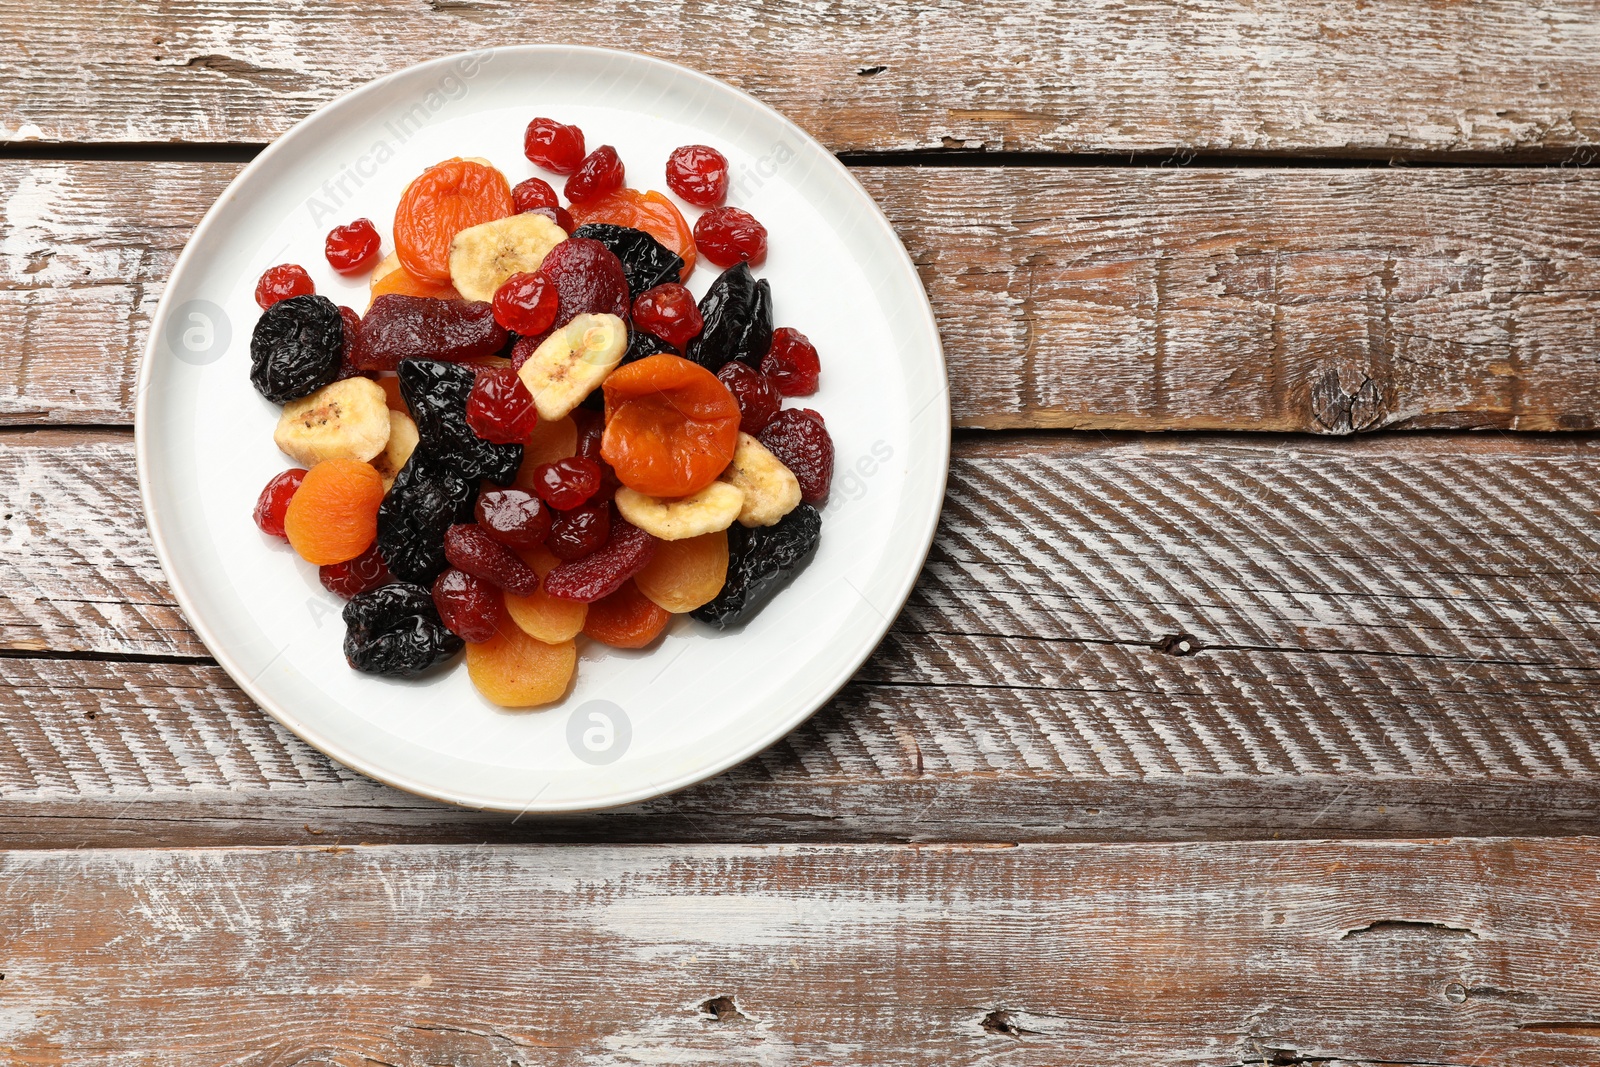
535,192
792,363
557,215
274,501
282,282
553,145
577,533
759,399
401,327
627,551
601,172
499,408
801,442
669,312
526,304
352,247
350,322
469,607
468,547
589,279
699,174
354,577
729,235
513,517
567,483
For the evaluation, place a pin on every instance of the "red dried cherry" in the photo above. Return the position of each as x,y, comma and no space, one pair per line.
601,172
356,576
282,282
352,247
577,533
792,363
273,502
468,547
699,174
499,407
801,443
729,235
759,399
567,483
470,607
513,517
589,278
627,551
553,145
532,193
526,304
557,215
669,312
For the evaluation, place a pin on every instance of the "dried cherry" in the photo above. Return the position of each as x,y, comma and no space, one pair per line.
601,172
526,304
352,247
669,312
729,235
558,215
401,327
589,279
535,192
427,498
355,576
470,607
274,501
295,348
737,311
282,282
759,399
760,561
553,145
437,395
792,363
699,174
626,552
646,262
500,408
470,548
513,517
395,630
575,534
801,443
567,483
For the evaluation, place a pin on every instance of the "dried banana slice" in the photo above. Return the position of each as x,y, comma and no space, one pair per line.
567,366
711,509
348,419
770,489
482,257
402,442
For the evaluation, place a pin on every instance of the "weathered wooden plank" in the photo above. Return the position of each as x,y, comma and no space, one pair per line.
1313,76
1324,301
1387,636
1419,952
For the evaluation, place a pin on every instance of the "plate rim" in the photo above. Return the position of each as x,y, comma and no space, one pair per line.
762,739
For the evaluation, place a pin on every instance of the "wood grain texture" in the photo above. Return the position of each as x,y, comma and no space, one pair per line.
1311,76
1390,635
1324,301
1213,955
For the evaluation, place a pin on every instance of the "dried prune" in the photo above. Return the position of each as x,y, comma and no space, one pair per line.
469,606
760,561
427,498
737,311
640,345
801,443
396,630
468,547
589,279
646,262
401,327
437,395
295,348
626,553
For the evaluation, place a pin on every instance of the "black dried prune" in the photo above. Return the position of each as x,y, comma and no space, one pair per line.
642,344
427,498
400,327
760,561
295,348
738,314
646,261
396,630
437,395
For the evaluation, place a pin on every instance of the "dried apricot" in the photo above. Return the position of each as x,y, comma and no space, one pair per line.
438,204
514,670
684,575
671,426
626,619
541,615
333,516
650,212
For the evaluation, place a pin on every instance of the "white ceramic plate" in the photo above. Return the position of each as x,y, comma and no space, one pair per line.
636,724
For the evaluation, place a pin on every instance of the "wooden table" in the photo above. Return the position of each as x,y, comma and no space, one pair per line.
1268,739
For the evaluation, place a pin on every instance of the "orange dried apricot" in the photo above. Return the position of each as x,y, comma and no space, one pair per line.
514,670
390,277
438,204
671,426
333,516
542,616
551,440
391,394
626,618
650,212
683,575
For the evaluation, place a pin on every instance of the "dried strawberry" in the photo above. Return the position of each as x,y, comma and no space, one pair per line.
801,443
468,547
627,551
589,279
